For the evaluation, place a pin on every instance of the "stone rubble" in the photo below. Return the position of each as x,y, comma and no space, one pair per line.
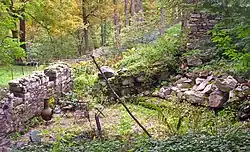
209,90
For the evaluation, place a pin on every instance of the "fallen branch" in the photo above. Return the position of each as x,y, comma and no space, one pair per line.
118,98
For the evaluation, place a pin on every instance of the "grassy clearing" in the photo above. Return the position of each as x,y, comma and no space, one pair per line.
8,73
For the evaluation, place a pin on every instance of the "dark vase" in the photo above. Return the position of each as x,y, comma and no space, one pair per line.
47,112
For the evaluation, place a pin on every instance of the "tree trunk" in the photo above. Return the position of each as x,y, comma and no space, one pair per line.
85,22
138,6
163,19
126,12
132,7
138,9
183,19
14,33
94,40
116,24
79,41
103,32
23,32
177,13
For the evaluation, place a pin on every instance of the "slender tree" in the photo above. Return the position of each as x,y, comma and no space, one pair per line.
126,12
116,24
138,6
132,7
85,22
23,29
163,21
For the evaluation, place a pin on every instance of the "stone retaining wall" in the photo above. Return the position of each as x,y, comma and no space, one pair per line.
26,97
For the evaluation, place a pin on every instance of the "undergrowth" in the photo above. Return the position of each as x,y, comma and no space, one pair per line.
161,52
237,140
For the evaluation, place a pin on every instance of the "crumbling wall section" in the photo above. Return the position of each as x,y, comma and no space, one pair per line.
198,25
26,96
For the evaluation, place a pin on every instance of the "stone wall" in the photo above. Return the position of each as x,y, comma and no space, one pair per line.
26,96
198,25
125,82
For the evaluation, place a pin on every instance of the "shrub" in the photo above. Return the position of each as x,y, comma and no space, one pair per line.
163,51
232,34
238,140
235,141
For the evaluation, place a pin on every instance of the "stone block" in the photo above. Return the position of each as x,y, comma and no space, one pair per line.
17,101
195,15
51,84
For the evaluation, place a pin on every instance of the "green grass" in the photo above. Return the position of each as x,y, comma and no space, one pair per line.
8,73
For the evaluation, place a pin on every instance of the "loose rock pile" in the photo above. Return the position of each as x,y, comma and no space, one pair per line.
208,90
26,97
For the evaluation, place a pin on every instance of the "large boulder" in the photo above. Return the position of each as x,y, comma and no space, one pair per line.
217,99
183,80
209,89
194,61
184,83
226,84
165,92
195,97
199,81
107,71
203,85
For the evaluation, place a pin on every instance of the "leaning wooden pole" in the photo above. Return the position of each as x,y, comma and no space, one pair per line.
118,98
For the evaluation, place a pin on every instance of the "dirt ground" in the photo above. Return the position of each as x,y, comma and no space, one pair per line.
115,122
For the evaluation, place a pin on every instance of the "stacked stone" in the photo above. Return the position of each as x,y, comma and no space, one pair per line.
26,97
6,123
125,83
60,78
199,24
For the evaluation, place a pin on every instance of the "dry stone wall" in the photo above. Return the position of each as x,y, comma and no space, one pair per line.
26,96
199,24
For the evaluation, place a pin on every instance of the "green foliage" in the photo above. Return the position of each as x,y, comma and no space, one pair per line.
138,31
161,52
9,46
10,50
125,125
85,78
181,118
236,140
48,48
85,81
192,53
232,34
